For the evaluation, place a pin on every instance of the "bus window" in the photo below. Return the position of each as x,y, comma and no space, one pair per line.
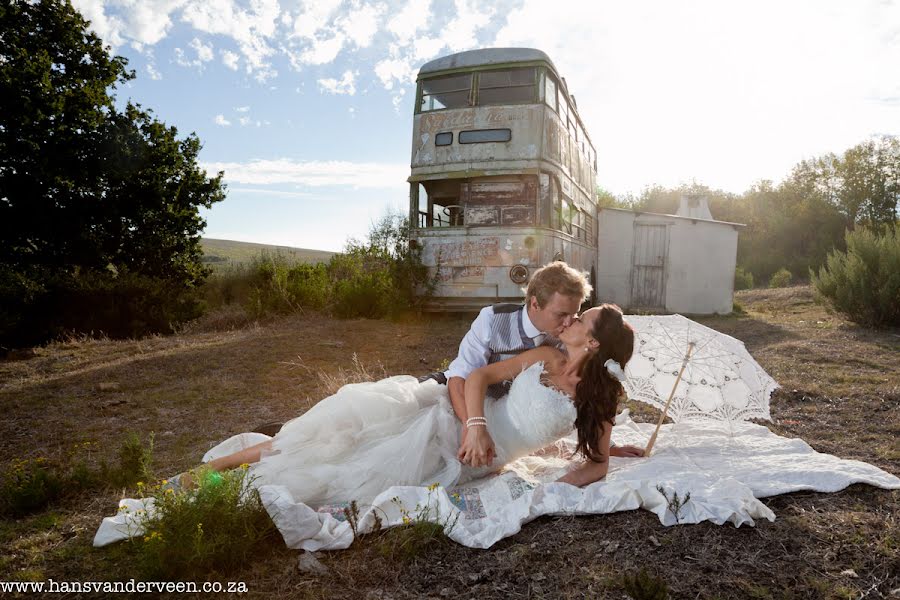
509,86
550,91
565,215
439,204
451,91
563,108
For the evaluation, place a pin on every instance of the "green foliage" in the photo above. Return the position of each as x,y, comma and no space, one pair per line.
217,527
641,585
43,304
97,201
781,278
135,462
29,485
743,280
863,282
422,527
381,276
278,286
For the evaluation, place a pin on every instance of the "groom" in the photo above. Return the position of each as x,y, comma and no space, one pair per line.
552,299
554,294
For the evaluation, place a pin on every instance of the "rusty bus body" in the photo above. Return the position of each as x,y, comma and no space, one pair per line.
503,175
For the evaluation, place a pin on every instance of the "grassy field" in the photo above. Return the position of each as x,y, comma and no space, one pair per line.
227,252
841,393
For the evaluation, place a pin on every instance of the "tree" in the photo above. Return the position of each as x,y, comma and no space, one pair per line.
870,183
88,192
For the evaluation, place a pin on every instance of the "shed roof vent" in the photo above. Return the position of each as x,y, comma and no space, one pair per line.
695,206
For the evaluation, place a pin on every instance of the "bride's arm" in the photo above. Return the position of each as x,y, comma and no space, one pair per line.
477,448
589,471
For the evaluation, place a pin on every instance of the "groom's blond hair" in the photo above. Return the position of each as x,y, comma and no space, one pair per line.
557,277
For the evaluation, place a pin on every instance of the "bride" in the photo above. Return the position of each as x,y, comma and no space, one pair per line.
397,431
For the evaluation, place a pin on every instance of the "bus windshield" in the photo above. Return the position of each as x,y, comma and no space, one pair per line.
499,86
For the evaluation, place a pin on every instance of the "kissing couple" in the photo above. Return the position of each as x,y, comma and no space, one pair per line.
525,376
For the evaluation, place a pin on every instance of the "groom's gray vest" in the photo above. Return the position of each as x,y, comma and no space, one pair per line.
508,338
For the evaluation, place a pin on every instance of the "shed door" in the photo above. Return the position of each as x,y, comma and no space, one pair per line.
648,272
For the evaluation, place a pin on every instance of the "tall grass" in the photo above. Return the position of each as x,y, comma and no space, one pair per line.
378,277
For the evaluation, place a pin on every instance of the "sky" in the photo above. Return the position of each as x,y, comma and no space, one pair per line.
307,106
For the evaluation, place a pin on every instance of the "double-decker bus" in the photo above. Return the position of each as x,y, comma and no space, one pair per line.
503,175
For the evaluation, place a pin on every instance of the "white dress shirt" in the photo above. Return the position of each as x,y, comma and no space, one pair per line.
475,350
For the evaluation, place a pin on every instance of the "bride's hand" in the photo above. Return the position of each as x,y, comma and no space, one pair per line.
478,448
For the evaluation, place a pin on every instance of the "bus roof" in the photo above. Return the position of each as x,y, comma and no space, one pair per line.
484,56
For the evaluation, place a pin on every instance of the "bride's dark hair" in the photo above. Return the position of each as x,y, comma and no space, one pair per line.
597,393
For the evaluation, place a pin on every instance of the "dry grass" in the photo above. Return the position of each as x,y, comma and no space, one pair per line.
841,393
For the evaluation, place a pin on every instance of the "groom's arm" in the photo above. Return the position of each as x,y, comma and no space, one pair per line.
457,388
474,353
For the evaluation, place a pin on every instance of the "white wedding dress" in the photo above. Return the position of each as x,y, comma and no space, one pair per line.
370,436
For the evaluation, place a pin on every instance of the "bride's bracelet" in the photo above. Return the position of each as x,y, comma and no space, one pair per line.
476,422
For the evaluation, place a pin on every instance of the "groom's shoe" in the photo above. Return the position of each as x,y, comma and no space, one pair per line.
438,376
269,429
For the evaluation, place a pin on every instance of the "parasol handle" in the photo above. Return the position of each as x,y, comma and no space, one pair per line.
662,417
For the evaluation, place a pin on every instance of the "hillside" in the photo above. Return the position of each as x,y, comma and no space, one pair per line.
221,252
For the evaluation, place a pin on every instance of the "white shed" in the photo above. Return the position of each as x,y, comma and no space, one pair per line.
682,263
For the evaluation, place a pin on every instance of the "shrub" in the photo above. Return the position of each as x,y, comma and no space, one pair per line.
218,526
134,462
781,278
641,585
422,527
863,282
743,280
39,306
29,485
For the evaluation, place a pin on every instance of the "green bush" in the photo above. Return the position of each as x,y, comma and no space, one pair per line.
134,462
863,282
29,485
781,278
219,526
743,280
39,306
381,276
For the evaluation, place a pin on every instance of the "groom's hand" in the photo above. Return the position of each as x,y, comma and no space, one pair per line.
478,449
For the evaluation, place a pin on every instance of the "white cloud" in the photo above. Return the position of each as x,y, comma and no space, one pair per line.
273,193
323,51
153,72
230,59
390,70
414,16
141,23
343,86
221,121
361,23
251,29
314,173
316,15
204,52
241,109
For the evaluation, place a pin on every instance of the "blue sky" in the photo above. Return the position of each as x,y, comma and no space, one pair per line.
307,106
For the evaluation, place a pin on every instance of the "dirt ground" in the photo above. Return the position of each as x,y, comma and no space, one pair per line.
841,393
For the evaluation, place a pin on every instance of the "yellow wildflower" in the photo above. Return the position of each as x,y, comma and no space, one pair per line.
245,466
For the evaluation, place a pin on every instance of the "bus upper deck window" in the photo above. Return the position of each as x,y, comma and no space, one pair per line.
451,91
507,86
550,92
